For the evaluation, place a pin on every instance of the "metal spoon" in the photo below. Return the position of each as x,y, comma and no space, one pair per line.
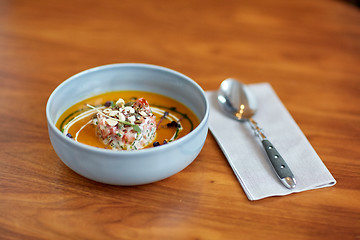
238,102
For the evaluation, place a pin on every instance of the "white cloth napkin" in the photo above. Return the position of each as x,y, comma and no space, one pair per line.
247,157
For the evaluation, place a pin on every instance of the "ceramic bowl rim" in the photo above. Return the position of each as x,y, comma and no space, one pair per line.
82,146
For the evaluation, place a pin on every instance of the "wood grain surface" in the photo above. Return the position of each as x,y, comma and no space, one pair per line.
309,51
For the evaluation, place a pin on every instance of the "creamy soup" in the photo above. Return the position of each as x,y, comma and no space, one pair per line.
127,120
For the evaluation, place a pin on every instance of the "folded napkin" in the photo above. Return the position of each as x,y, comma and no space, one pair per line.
247,157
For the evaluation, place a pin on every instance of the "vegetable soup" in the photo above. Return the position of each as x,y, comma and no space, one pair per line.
127,120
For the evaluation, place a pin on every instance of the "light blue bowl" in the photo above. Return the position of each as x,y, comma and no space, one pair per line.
128,167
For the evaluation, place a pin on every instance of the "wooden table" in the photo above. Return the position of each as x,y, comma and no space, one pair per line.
309,51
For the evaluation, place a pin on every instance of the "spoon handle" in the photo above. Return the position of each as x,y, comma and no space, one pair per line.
281,169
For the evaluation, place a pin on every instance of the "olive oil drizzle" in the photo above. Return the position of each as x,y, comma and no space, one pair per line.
68,118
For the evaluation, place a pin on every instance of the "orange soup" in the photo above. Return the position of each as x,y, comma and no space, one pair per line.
127,120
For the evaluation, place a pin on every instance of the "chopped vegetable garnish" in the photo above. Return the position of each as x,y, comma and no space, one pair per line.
126,126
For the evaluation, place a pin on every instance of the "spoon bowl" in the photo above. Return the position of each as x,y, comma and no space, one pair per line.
234,96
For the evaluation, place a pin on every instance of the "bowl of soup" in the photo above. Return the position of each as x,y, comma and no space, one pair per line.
127,123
